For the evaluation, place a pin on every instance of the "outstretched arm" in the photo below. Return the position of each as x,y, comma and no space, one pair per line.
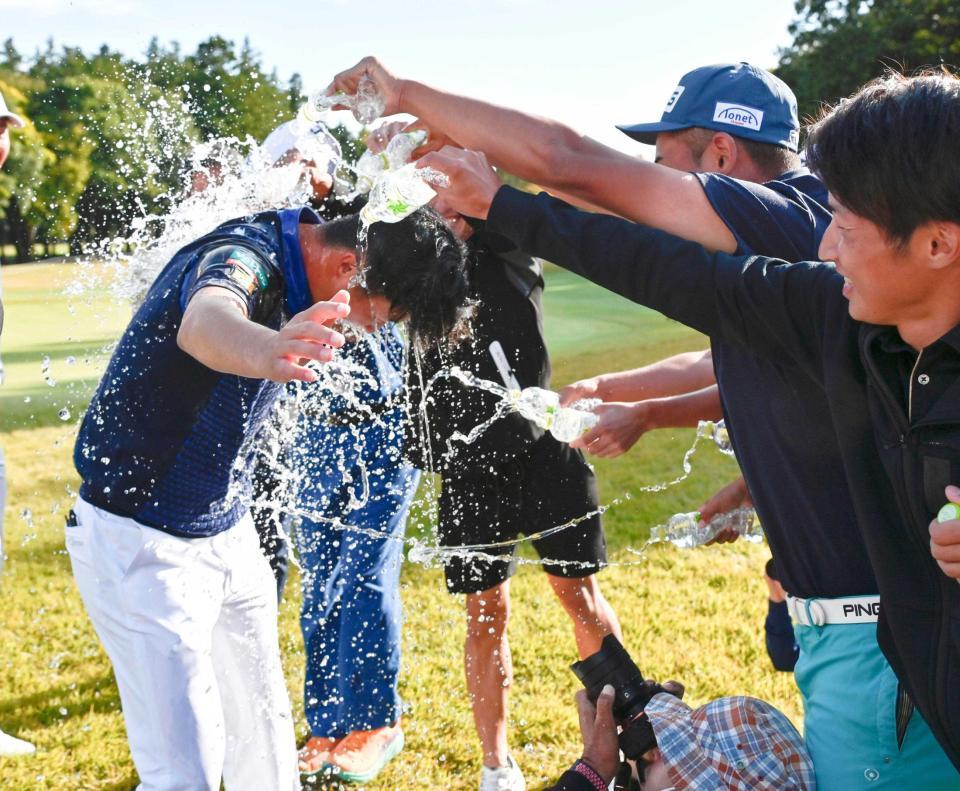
620,425
555,156
682,373
217,332
790,312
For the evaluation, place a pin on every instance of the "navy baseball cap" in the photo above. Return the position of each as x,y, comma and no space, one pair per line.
736,98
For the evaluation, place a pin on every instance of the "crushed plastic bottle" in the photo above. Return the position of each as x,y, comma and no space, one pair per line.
543,408
687,530
367,105
717,432
570,423
399,151
399,193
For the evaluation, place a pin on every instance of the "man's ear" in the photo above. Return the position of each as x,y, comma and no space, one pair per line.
343,266
721,155
346,263
941,243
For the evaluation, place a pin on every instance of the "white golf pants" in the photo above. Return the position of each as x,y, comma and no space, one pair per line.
190,626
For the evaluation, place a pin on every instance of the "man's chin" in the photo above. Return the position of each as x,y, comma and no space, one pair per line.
860,312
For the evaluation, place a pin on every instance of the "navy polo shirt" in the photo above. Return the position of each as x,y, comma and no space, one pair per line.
166,440
778,416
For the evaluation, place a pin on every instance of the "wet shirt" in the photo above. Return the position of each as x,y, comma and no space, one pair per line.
778,416
896,466
508,289
167,441
354,415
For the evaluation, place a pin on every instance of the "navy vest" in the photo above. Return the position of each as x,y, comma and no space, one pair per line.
166,440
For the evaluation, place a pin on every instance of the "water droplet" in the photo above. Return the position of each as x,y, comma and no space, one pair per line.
64,414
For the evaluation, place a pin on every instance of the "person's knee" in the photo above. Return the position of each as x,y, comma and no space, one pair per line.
488,613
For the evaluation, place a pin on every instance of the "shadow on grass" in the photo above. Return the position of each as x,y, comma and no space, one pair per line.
124,785
44,407
34,353
42,709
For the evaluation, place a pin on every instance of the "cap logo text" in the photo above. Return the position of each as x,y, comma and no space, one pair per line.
871,610
738,115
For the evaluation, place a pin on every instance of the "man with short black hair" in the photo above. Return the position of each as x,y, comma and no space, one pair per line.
707,186
879,333
162,544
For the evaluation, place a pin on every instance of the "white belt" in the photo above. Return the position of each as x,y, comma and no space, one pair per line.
823,612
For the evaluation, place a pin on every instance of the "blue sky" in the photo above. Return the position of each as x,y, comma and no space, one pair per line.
590,63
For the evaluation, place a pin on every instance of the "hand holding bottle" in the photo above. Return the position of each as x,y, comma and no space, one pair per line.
945,535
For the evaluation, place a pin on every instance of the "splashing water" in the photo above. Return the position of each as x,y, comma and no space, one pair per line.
45,372
246,183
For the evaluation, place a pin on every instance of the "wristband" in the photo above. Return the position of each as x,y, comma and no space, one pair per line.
581,767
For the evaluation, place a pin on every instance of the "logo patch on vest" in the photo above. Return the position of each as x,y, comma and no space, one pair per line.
246,270
738,115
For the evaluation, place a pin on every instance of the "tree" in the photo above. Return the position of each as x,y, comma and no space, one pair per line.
230,94
838,45
24,206
109,135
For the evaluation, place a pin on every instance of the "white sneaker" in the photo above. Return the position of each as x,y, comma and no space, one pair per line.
503,778
11,745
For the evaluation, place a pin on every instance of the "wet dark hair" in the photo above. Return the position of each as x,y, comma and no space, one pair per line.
419,266
890,153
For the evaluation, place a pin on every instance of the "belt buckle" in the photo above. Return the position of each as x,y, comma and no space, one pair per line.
818,616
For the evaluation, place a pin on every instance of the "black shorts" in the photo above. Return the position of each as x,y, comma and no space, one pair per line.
548,485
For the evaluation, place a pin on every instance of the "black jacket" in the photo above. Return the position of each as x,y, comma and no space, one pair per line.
507,287
795,313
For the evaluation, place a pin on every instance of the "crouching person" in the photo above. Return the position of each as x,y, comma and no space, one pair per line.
734,743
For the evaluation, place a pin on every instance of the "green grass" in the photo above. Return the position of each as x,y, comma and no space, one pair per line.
696,616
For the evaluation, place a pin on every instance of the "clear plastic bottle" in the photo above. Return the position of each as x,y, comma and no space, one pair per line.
367,105
371,166
570,424
543,408
397,194
717,432
686,530
318,103
536,404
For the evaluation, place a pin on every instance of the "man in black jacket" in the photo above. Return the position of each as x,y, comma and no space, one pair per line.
880,332
513,479
705,186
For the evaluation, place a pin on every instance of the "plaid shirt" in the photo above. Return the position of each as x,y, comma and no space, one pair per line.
735,743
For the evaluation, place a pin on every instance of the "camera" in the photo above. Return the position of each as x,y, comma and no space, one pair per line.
613,665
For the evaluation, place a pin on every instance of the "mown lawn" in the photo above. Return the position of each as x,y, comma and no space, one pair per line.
696,616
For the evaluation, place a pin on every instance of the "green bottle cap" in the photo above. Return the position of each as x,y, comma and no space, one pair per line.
948,512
